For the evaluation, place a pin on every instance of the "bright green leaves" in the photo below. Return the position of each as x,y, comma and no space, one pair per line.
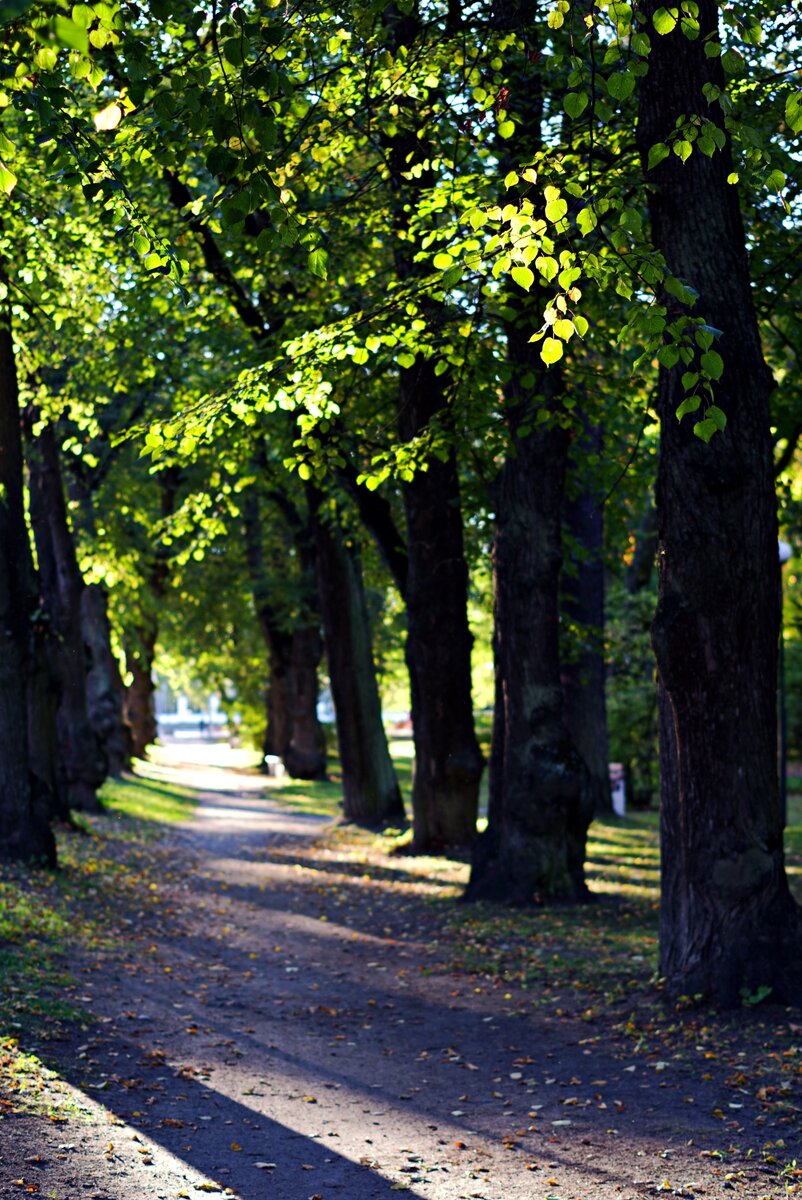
564,328
551,351
71,34
586,220
793,111
665,20
523,276
657,153
8,180
318,263
556,18
556,206
714,421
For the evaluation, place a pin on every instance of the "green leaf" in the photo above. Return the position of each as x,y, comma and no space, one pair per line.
689,405
581,324
705,429
665,20
564,328
523,277
641,44
8,180
71,34
657,153
318,263
476,218
712,364
586,220
556,210
793,111
717,416
551,351
555,19
575,104
443,260
668,356
548,267
733,63
683,149
510,179
506,129
304,470
405,359
621,85
712,49
452,276
690,379
775,181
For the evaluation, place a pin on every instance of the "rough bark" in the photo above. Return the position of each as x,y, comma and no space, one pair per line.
727,919
534,846
448,762
583,671
25,833
539,803
61,588
46,762
371,795
104,686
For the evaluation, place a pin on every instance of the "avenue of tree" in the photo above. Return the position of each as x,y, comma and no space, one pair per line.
309,314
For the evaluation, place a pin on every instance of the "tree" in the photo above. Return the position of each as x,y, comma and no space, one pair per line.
727,918
24,830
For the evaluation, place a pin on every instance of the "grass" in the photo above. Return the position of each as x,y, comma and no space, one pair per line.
47,917
604,950
151,805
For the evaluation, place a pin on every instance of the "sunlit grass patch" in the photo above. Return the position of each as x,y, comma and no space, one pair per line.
148,800
48,919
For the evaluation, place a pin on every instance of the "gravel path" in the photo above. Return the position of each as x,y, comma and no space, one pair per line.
281,1028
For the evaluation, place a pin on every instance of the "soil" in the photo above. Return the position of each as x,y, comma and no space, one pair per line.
279,1024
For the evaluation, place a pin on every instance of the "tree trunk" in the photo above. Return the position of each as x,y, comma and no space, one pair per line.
138,703
371,795
727,919
62,585
277,716
539,812
25,833
140,644
583,670
448,762
49,778
294,732
104,687
305,752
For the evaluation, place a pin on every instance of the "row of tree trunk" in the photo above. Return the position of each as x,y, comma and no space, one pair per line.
61,697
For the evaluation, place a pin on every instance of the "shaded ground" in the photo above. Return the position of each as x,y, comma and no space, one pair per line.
278,1018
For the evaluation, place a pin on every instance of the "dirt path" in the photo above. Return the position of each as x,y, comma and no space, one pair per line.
279,1026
